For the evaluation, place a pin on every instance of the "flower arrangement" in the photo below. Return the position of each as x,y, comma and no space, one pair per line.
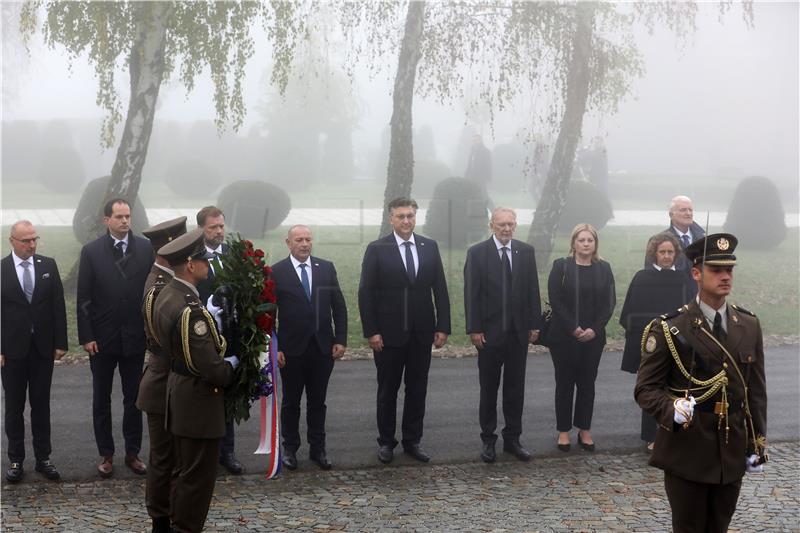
244,282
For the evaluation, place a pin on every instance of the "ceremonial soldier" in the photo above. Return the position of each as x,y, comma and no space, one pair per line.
702,378
195,408
153,387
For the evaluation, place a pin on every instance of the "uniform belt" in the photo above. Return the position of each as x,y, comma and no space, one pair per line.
180,368
709,405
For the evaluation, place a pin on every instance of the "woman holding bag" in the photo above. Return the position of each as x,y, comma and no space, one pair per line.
582,297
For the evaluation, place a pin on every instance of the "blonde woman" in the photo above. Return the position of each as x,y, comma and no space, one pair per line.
581,292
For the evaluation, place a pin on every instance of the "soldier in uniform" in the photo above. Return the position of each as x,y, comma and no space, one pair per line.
153,385
195,408
702,378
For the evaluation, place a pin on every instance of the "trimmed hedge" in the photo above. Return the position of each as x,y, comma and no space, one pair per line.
756,216
253,208
585,204
457,214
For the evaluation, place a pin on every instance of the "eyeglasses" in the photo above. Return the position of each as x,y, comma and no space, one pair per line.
27,241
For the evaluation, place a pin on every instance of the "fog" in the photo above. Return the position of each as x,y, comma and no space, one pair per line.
720,106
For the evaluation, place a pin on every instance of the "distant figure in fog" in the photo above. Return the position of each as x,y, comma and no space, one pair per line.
479,167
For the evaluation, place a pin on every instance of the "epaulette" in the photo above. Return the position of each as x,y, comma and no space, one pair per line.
673,314
192,300
743,310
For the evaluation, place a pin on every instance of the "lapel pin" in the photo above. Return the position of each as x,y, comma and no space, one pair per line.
46,275
316,264
38,260
422,244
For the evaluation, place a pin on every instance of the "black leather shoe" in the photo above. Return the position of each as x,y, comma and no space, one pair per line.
290,459
14,473
231,463
563,447
161,525
321,458
515,448
47,469
488,455
385,454
584,445
415,451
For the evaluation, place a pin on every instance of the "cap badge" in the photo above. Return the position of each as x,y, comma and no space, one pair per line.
723,244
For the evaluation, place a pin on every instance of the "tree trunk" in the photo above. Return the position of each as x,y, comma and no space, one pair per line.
554,193
147,72
400,174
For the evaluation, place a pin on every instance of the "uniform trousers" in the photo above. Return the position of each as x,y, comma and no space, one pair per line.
195,476
412,360
130,366
511,354
575,366
160,465
701,507
310,372
33,375
228,443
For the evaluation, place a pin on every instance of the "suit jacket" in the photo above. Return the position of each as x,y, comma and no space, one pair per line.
206,288
485,304
45,313
110,293
323,319
562,289
195,400
391,305
700,452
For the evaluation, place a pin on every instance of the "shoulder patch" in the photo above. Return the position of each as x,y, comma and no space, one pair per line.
650,344
743,310
200,327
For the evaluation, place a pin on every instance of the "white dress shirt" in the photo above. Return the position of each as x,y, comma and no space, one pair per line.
123,241
709,312
660,269
297,269
402,249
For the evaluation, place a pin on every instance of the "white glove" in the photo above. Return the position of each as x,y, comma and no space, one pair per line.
751,466
233,360
215,311
684,409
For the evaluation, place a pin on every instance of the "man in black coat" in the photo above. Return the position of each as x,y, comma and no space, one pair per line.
399,274
312,334
212,220
503,312
685,229
34,334
111,276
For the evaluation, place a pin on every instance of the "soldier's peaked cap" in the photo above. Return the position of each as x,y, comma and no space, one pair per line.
163,233
185,248
718,250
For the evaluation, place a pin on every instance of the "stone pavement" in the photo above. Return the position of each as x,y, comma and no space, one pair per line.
570,492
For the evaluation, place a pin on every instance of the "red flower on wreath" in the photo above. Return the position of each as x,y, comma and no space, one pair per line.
268,293
264,322
259,253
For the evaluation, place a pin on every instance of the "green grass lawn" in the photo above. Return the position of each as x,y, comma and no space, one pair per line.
765,283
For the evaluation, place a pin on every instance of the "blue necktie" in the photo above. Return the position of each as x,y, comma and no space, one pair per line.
685,239
27,281
412,274
304,280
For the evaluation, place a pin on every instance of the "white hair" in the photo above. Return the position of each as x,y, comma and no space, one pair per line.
673,203
497,210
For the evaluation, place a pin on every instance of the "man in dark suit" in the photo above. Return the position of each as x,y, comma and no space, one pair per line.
685,229
111,277
399,274
33,334
312,334
212,220
501,302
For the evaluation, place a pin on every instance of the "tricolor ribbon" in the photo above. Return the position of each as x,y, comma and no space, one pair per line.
270,416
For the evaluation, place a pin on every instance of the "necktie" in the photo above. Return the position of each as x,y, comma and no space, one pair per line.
304,280
412,274
27,281
719,333
685,241
119,253
506,265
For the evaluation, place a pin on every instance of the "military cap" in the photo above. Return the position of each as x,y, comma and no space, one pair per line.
718,249
161,234
185,248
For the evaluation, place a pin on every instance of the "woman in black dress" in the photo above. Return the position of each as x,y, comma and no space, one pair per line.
581,291
653,291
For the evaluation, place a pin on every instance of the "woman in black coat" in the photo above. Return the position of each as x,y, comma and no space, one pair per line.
581,291
653,291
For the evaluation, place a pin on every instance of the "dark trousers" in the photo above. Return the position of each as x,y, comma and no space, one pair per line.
511,354
228,442
415,359
310,371
32,374
195,476
130,371
700,507
575,366
160,465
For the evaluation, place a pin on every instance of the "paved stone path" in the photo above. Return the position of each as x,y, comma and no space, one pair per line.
576,492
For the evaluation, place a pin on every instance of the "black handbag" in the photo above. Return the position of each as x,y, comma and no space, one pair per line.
547,317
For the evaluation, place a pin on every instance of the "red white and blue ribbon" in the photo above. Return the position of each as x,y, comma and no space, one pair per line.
269,442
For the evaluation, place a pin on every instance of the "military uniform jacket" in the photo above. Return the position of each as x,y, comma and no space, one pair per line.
195,395
711,449
153,385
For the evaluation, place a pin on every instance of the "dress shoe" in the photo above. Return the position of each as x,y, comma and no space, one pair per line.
584,445
488,455
385,454
290,459
14,473
563,447
106,467
321,458
135,464
48,470
515,448
416,451
231,463
161,525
